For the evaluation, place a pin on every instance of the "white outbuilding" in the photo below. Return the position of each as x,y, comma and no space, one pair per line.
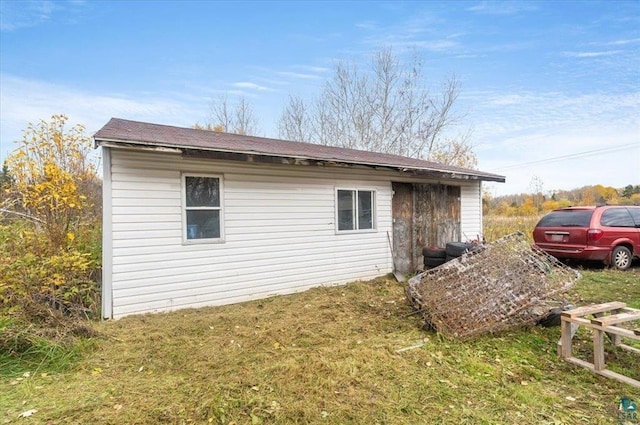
195,217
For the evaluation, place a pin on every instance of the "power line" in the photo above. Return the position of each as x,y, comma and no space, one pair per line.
569,156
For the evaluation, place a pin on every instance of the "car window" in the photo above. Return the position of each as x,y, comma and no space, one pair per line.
617,217
635,213
566,218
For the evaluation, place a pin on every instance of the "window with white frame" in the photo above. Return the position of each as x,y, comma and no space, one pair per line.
202,218
355,209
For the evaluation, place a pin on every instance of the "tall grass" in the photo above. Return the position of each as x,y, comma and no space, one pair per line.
53,345
496,226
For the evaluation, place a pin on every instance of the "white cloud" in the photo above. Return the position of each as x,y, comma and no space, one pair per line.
24,14
298,75
509,99
240,93
521,135
502,7
622,42
251,86
318,69
592,54
615,168
16,15
23,101
367,25
444,45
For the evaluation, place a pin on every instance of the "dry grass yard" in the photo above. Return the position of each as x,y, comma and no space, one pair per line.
326,356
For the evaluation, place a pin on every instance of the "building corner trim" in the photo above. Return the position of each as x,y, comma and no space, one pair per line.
107,236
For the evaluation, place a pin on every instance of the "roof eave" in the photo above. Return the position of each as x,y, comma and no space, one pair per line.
172,148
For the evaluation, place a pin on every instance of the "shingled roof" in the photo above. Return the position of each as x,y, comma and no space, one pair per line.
119,132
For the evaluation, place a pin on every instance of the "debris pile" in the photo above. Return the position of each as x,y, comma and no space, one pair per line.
502,284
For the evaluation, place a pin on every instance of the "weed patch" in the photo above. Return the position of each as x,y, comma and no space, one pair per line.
38,338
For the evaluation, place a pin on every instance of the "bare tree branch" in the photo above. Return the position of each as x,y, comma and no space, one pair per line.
384,109
238,118
19,214
294,122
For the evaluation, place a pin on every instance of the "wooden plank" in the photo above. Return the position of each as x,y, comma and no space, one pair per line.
593,309
598,349
580,362
625,316
574,329
566,339
606,372
615,339
618,377
609,329
599,326
629,348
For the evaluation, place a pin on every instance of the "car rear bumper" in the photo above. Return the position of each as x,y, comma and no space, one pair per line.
578,253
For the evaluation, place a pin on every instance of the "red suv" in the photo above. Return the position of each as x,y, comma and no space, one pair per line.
607,233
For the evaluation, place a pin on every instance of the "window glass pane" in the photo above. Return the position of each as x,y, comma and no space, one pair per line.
202,191
345,210
365,209
567,218
617,217
635,213
203,224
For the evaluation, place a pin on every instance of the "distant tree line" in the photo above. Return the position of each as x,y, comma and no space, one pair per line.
526,204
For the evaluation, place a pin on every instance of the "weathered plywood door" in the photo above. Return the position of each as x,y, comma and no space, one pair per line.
402,210
437,215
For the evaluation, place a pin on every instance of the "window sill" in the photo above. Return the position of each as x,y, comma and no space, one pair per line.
355,232
188,242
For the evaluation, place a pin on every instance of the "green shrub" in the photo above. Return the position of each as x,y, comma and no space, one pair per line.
30,271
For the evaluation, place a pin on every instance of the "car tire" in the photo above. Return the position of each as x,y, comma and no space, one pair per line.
456,249
433,262
621,258
434,252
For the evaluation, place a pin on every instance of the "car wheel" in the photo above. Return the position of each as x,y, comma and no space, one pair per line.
621,258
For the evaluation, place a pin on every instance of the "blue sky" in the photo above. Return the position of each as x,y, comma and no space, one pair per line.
550,89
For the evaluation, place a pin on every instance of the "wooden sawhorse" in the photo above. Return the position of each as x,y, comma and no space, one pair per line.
606,318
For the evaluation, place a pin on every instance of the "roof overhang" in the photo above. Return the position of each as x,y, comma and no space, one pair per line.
264,157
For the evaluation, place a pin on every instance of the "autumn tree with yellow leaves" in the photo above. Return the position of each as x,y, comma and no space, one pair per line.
54,179
50,219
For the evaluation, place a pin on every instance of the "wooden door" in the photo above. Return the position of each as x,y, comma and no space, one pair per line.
402,212
437,212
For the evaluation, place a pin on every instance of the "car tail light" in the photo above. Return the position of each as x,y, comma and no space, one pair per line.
594,235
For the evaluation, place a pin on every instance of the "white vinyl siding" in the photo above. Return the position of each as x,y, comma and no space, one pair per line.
279,226
279,233
471,212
